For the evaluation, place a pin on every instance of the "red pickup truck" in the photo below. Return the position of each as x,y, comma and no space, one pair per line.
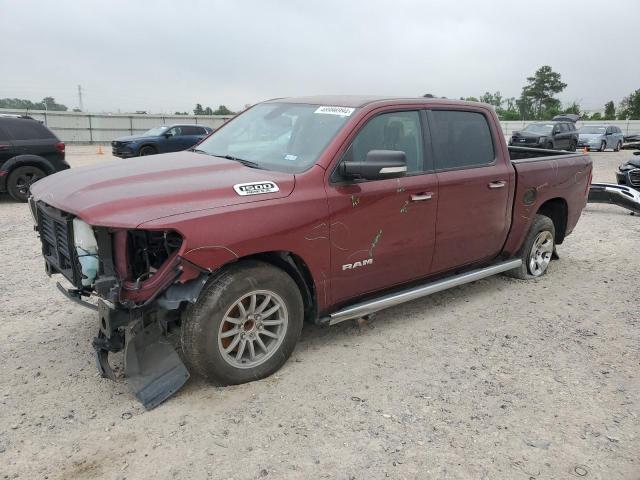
320,209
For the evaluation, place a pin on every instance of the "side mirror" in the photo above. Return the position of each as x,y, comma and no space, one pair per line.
380,164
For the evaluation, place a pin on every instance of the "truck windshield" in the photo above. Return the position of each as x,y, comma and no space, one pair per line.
285,137
539,128
598,130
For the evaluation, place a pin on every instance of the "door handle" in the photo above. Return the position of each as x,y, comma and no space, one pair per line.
419,197
497,184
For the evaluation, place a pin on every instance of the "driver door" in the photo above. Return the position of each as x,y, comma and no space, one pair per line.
382,232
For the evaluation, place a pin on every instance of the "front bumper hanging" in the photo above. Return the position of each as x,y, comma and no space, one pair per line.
620,195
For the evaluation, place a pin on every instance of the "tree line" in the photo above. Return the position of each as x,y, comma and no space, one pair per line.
538,101
47,103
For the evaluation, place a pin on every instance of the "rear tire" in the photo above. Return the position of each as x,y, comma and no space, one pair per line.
537,250
147,150
20,181
573,146
245,324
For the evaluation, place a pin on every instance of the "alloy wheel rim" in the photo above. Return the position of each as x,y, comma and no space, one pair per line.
253,329
541,252
24,182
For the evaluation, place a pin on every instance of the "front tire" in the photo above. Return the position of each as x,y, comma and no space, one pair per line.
537,249
245,324
20,181
573,146
548,146
603,146
147,150
618,147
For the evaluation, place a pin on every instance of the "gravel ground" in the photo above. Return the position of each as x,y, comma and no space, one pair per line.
499,379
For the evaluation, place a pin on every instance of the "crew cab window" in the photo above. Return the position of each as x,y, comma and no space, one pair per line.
28,130
390,131
460,139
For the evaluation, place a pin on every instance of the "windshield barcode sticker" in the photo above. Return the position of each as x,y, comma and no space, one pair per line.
342,111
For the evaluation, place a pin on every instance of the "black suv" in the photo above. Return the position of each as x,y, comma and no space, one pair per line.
28,152
553,135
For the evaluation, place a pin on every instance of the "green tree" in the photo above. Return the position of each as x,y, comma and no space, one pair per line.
609,110
47,103
540,91
222,110
596,116
573,107
470,99
429,95
629,107
208,111
198,110
494,99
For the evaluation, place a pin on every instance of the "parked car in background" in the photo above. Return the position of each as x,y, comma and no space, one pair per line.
163,139
553,135
28,152
600,137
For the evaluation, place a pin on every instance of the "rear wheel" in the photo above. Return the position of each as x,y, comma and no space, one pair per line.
21,179
537,250
245,324
573,146
147,150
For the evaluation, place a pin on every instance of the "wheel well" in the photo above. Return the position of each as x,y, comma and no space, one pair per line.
148,145
556,209
28,161
299,272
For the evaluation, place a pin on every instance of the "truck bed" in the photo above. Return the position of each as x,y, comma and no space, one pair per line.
547,176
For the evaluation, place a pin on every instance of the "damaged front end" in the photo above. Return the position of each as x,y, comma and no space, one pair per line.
141,282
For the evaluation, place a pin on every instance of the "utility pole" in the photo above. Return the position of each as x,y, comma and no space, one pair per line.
80,98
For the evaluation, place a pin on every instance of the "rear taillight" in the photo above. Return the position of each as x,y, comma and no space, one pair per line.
60,147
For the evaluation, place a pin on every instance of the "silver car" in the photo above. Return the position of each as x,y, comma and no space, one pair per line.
600,137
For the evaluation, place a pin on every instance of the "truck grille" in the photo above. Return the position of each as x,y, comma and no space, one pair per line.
634,177
56,234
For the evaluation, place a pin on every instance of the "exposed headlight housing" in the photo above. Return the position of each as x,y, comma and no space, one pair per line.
87,250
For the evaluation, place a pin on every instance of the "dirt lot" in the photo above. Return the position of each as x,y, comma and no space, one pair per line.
500,379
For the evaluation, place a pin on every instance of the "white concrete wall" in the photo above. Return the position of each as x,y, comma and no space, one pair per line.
80,127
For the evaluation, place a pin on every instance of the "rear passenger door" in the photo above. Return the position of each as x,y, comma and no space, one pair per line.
475,184
31,137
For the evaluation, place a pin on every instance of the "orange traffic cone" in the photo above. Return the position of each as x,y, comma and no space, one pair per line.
100,152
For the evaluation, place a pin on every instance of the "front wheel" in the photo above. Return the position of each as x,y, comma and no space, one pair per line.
20,181
573,146
245,324
603,146
548,146
618,147
147,150
537,250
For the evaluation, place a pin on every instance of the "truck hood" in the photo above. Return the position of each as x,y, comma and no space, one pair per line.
125,195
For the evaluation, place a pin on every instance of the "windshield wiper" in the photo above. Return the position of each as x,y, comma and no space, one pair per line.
197,150
246,163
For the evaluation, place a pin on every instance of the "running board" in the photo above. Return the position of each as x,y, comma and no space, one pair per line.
366,308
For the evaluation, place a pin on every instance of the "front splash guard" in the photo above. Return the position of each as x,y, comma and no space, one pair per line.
152,367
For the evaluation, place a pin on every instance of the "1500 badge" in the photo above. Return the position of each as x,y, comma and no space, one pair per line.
255,188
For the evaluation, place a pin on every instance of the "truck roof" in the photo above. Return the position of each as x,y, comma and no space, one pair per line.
357,101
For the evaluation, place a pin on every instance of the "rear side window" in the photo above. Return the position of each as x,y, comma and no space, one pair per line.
28,130
189,130
460,139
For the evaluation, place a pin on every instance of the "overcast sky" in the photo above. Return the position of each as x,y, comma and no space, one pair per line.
166,56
